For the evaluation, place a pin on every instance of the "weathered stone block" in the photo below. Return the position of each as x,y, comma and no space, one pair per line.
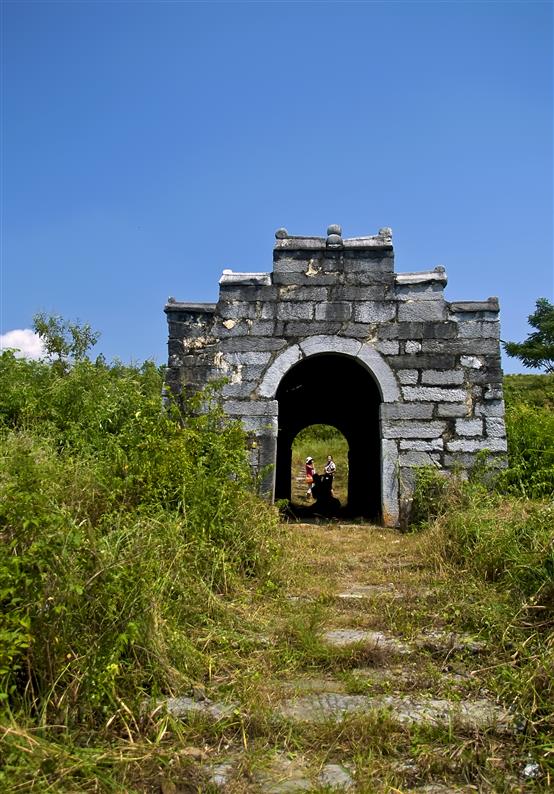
483,376
294,311
493,392
471,362
316,279
369,278
416,458
260,425
321,344
374,312
492,408
419,292
408,377
290,264
251,407
356,330
414,429
388,347
460,346
495,427
389,481
490,305
434,445
264,328
244,344
247,293
240,390
453,410
476,445
445,377
382,264
375,292
299,329
433,394
224,329
406,410
478,330
237,310
412,346
421,311
469,427
293,293
333,311
249,357
400,331
439,330
252,372
423,361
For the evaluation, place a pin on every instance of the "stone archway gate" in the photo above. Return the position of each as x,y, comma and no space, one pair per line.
436,363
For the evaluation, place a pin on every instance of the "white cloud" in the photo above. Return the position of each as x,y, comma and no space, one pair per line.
27,343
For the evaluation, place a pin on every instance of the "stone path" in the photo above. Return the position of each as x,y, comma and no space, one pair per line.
383,666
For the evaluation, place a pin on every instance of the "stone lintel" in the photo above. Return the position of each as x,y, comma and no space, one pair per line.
300,243
424,277
254,279
190,308
490,305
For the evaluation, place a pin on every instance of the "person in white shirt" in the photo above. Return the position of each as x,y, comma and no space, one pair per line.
330,468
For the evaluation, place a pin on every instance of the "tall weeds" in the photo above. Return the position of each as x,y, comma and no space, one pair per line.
124,531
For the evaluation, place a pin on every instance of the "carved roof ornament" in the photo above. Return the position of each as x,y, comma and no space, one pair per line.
334,236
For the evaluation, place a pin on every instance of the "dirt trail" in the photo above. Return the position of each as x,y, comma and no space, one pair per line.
359,684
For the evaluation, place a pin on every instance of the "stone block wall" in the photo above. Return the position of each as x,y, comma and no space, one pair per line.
436,363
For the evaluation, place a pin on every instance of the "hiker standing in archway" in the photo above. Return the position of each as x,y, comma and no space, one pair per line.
310,471
330,469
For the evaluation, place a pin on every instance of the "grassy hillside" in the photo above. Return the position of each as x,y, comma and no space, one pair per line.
536,390
136,562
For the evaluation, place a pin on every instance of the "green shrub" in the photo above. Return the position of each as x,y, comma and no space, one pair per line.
122,532
530,431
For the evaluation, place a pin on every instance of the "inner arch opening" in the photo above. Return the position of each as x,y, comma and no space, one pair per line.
334,389
318,442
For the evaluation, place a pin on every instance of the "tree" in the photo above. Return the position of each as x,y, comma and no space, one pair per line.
538,348
63,340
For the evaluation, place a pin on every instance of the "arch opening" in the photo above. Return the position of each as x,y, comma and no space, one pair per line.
334,389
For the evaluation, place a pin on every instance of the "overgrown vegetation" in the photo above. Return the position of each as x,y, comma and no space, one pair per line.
124,533
498,530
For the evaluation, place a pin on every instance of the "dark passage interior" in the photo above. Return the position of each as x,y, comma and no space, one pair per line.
334,389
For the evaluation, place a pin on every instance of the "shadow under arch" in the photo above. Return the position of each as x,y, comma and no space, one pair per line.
334,389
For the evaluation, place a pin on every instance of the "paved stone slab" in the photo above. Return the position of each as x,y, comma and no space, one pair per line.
336,777
219,775
183,707
356,592
283,775
340,638
478,713
436,640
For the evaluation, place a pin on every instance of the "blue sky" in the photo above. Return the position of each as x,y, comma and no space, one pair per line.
148,146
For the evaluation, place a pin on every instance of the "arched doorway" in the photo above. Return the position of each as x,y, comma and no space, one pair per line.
334,389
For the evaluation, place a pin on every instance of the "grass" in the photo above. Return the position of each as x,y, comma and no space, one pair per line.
137,564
